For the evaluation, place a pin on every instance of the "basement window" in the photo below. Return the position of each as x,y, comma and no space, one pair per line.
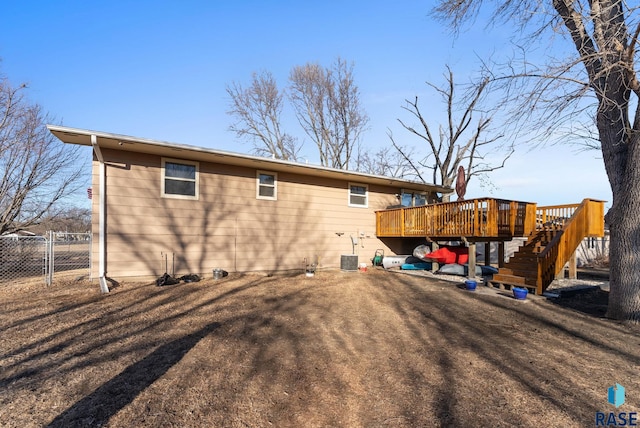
358,195
267,185
179,179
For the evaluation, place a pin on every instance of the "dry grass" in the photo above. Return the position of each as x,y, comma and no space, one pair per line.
372,349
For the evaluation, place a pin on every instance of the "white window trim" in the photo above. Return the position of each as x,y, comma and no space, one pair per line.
197,180
275,185
366,195
423,194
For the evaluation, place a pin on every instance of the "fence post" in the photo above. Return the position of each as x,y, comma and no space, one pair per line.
45,260
90,236
50,259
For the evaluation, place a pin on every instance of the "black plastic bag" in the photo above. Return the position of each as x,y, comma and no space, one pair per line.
166,279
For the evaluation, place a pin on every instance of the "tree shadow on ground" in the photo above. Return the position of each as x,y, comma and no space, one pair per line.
522,344
96,408
591,302
338,349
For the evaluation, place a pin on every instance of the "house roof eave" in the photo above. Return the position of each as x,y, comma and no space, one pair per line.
162,148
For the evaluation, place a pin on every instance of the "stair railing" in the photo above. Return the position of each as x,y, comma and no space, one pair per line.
584,220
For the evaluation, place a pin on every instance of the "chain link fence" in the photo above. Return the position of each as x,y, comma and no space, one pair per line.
44,258
21,257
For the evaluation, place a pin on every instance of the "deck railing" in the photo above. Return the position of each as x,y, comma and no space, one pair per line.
473,218
554,215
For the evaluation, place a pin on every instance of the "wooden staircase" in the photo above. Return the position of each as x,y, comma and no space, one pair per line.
522,269
559,231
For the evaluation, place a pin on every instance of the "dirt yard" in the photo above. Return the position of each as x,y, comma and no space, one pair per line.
373,349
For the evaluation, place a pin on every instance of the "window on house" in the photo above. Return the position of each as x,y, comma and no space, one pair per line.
179,179
358,195
407,199
266,185
413,199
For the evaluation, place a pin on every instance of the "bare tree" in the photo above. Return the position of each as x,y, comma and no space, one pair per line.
460,143
71,219
603,67
386,162
327,104
36,170
257,110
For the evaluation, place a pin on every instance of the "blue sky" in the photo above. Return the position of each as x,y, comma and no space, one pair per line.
158,69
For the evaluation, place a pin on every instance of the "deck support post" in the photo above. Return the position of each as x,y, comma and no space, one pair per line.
434,265
487,253
501,254
471,273
573,267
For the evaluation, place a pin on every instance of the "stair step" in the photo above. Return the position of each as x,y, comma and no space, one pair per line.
533,245
523,258
529,252
509,279
539,240
522,264
524,274
512,269
508,282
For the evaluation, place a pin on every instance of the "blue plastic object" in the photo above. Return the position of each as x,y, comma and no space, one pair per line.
470,285
416,266
520,293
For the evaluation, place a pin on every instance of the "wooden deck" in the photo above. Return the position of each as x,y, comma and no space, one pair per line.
485,219
553,233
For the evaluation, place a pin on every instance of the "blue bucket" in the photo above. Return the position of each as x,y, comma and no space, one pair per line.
520,293
470,285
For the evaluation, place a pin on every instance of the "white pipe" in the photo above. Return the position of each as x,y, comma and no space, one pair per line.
101,217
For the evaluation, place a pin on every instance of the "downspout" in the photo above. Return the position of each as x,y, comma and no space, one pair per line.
101,217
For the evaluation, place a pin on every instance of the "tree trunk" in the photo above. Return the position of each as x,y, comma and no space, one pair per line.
624,250
624,266
446,182
622,162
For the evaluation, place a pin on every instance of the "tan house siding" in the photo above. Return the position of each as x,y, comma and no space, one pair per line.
228,227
